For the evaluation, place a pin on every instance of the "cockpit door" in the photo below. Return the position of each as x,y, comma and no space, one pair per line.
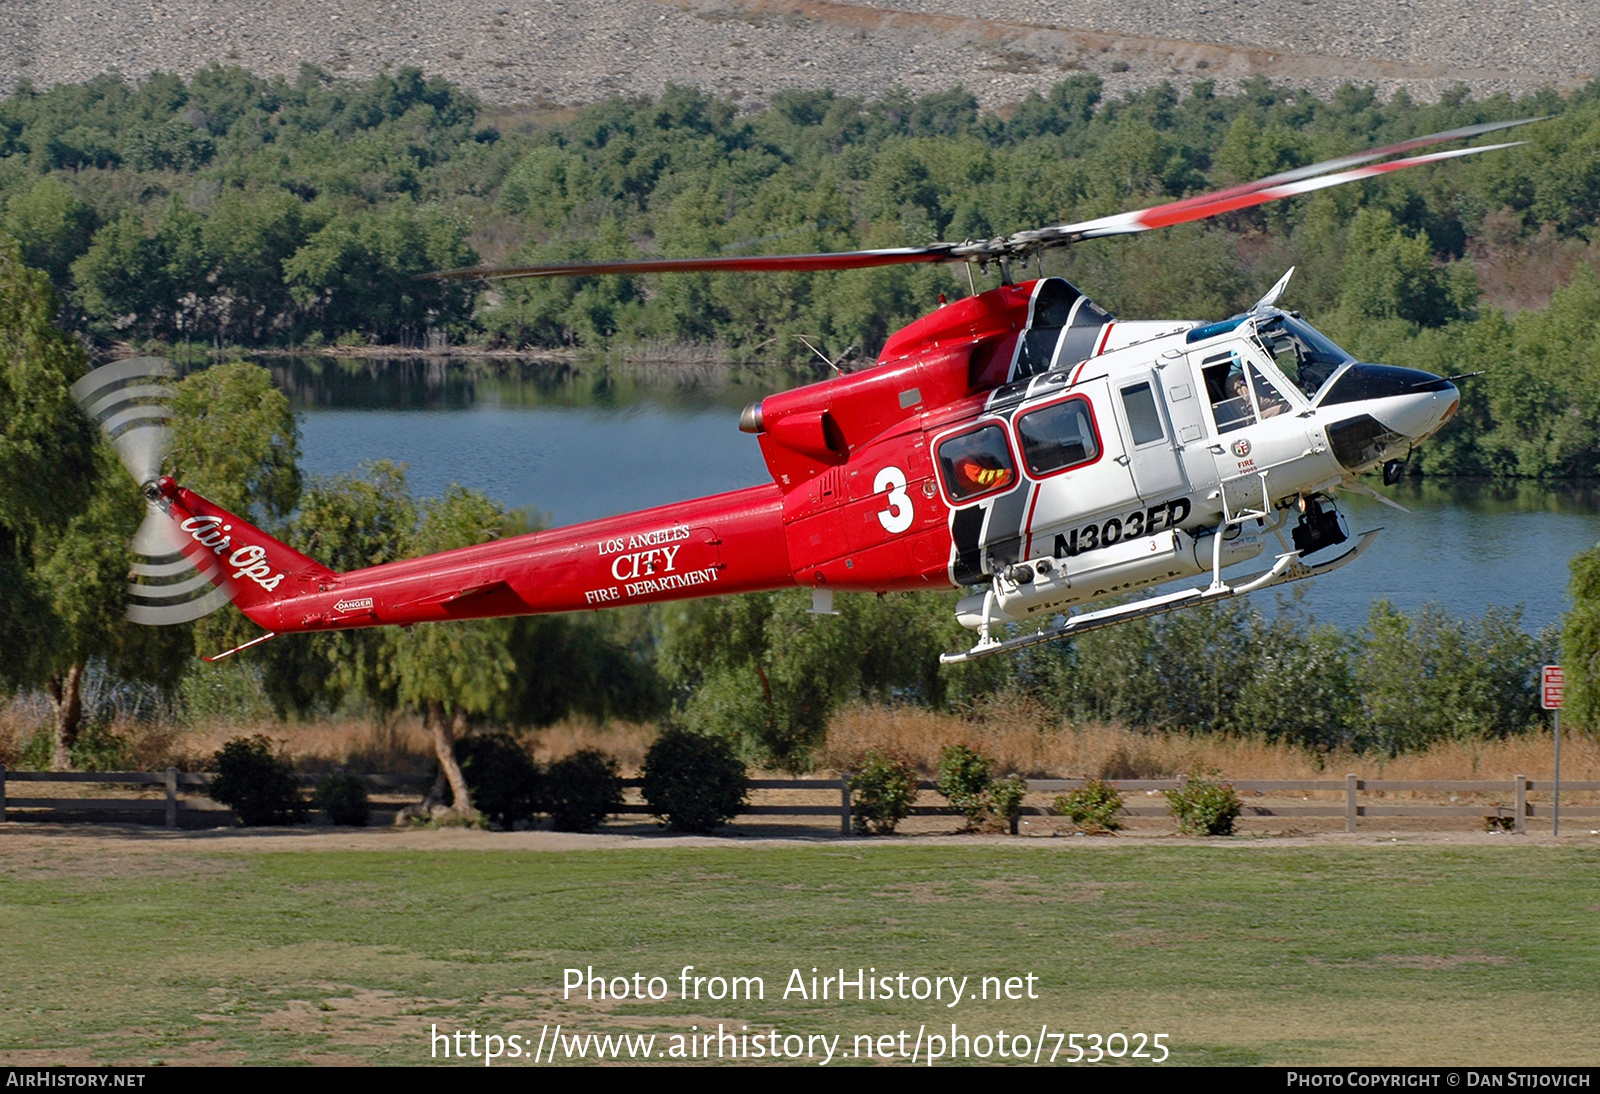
1258,428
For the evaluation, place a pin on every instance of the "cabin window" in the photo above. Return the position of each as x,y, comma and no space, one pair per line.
1144,421
977,463
1058,436
1228,392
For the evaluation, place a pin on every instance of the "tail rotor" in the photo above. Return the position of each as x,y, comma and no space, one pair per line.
131,403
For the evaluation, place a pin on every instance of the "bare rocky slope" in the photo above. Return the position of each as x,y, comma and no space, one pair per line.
519,52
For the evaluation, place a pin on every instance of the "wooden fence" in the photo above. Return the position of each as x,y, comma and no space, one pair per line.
171,781
1349,797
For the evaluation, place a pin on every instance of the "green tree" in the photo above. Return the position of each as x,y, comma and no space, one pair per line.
1432,676
235,440
46,445
1389,274
452,671
1580,643
359,273
149,282
763,671
52,225
82,571
1544,397
346,522
247,236
64,522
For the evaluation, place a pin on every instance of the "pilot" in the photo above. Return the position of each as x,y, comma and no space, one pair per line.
1267,397
1271,403
979,471
1232,407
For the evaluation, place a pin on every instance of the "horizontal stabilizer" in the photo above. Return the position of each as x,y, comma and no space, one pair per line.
477,592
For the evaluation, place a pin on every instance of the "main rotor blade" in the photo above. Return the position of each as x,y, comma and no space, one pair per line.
1273,293
1355,159
1182,212
1300,180
840,260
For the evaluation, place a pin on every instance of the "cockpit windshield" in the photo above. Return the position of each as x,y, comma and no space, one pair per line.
1306,357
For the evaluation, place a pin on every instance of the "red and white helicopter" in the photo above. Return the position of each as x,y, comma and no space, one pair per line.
1021,443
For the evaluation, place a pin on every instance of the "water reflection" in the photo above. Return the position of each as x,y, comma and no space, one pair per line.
586,442
422,383
571,444
1467,544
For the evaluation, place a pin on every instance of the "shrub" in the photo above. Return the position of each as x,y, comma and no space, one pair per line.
507,785
1203,805
883,791
256,782
693,782
1093,807
99,749
38,750
342,799
581,789
1005,799
96,749
964,775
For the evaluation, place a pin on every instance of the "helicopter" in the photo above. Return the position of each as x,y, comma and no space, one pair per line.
1021,444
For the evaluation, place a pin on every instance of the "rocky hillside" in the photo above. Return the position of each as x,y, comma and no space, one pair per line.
518,52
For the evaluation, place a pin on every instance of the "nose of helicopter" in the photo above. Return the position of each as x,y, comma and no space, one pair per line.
1409,402
1419,414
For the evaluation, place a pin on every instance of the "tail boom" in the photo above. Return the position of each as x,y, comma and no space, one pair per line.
726,543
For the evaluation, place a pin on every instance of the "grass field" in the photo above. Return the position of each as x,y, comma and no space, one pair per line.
344,949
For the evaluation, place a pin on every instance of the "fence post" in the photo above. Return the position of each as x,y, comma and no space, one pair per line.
1519,784
844,803
1351,810
2,793
172,797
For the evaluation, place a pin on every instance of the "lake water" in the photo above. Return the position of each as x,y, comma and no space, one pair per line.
576,448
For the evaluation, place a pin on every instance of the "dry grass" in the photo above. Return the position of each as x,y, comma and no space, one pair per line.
1026,738
15,729
1019,733
398,746
627,741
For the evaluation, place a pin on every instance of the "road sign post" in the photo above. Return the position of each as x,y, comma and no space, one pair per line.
1552,683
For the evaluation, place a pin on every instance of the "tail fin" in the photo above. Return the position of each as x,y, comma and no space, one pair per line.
254,569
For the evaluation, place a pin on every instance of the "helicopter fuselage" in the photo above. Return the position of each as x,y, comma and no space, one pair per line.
1020,440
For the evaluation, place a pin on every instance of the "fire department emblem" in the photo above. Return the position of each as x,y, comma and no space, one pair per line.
1241,448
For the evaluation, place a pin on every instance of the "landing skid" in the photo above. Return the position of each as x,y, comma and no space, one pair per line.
1285,569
